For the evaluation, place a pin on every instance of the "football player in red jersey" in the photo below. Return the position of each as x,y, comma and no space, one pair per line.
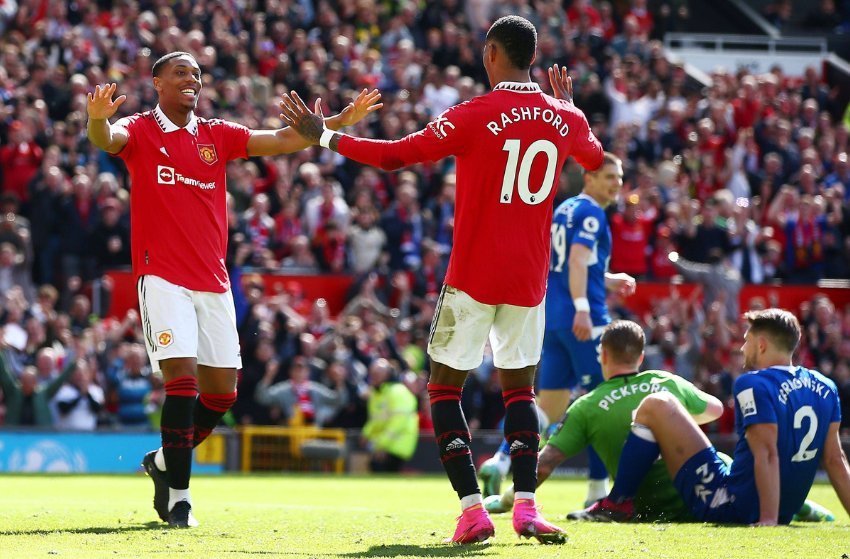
510,145
179,241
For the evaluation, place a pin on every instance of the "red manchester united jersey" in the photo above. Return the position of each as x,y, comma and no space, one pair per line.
511,145
178,211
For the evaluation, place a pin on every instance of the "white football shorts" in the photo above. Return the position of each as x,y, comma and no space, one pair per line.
462,325
179,322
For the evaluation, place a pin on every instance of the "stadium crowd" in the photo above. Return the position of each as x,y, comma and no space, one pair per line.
743,180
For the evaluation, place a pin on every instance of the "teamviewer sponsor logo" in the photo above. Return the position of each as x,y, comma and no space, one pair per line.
165,175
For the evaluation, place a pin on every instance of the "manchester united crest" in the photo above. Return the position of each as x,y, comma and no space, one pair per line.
164,338
207,153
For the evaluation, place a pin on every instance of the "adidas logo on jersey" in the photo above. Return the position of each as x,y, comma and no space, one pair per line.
456,444
518,445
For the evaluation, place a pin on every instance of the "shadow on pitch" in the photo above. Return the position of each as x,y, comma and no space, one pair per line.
90,530
401,550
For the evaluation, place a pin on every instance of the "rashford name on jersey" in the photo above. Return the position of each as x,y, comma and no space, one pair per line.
506,183
519,114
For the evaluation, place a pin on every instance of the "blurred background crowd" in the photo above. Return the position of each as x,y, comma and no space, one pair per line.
744,180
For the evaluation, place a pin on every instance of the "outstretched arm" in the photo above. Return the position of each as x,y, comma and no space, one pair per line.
421,146
101,108
54,385
287,140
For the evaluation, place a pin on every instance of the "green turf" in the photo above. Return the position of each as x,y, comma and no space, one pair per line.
349,517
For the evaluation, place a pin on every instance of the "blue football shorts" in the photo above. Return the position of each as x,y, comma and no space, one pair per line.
567,363
703,484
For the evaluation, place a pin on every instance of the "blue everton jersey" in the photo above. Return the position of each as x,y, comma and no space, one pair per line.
578,220
802,403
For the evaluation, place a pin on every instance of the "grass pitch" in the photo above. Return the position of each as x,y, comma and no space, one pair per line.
295,516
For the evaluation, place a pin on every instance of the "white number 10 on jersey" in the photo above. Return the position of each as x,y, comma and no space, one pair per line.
526,195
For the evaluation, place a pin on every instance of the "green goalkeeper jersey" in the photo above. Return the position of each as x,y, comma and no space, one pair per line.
602,418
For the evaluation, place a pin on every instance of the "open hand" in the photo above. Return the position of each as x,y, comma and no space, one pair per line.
297,116
582,326
562,84
366,103
100,104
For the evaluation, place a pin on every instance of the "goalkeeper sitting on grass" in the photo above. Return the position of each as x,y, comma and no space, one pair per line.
602,418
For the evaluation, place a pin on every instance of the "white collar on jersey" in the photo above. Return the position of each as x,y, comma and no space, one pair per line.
518,87
167,126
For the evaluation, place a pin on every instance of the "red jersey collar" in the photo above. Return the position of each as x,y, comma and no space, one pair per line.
518,87
167,126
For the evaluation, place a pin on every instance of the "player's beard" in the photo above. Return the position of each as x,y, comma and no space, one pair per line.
749,362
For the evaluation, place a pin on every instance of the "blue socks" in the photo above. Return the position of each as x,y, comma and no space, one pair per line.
595,465
639,453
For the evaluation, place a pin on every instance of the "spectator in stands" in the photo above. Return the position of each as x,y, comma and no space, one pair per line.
630,235
720,280
403,224
27,403
80,401
351,415
14,271
824,17
440,214
260,227
46,366
301,260
45,56
392,430
77,217
328,207
804,221
840,174
299,400
660,267
110,240
19,160
366,241
130,386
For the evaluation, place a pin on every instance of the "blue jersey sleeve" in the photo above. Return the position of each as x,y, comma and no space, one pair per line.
753,401
588,224
836,408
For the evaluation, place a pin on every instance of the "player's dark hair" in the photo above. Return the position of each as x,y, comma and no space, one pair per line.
624,341
160,64
779,325
518,37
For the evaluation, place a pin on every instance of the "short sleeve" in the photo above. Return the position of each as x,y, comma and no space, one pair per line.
836,407
690,396
590,224
234,138
571,435
753,401
129,124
